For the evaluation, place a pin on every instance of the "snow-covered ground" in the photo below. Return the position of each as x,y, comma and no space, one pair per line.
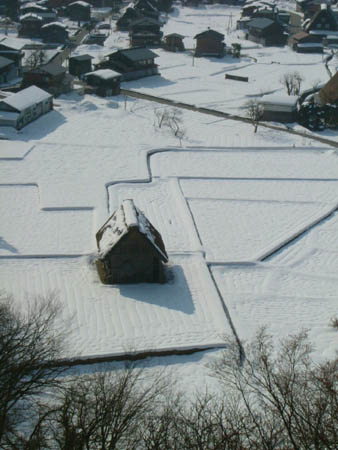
249,220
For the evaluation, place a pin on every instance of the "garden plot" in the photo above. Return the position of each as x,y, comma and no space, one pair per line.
284,300
107,320
272,190
231,164
27,230
71,175
233,230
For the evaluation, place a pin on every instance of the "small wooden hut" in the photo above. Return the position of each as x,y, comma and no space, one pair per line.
79,65
105,81
130,249
209,43
174,42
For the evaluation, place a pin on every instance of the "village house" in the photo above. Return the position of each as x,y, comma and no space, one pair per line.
308,7
279,108
79,65
130,15
164,5
131,63
174,42
304,42
209,43
144,32
47,15
17,110
95,39
259,9
51,77
3,7
79,11
8,70
54,33
147,8
11,48
106,82
30,25
322,23
266,32
130,249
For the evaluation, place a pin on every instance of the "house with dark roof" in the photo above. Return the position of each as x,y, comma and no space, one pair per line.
95,38
323,22
209,43
79,11
279,108
304,42
30,25
17,110
130,249
47,15
174,42
51,77
129,16
106,82
79,65
266,32
145,32
8,70
147,8
308,7
131,63
12,49
54,33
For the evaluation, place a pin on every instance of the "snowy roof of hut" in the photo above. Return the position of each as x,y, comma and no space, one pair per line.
104,74
210,34
125,218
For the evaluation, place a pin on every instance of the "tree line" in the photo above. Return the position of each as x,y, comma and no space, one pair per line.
270,396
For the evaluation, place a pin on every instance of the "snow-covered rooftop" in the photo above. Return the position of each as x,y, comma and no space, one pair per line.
25,98
128,216
274,99
104,74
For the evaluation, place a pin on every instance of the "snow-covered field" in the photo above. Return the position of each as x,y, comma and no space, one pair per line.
249,220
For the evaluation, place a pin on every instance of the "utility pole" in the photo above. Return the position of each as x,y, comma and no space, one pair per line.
230,23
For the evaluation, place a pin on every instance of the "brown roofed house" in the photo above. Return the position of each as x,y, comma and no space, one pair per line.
209,43
130,249
329,92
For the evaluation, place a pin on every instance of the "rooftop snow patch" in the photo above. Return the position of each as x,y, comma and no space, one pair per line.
287,100
85,4
105,74
53,24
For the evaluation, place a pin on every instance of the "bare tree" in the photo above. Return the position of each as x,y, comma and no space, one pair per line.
36,58
254,112
29,343
172,119
292,82
289,402
161,116
100,411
